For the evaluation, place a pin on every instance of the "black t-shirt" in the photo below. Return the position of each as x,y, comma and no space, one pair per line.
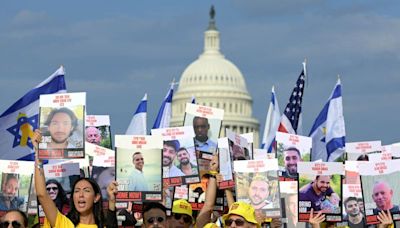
360,224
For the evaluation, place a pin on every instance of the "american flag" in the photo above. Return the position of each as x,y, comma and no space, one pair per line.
291,115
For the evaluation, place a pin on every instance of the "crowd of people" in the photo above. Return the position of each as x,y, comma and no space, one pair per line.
85,209
83,206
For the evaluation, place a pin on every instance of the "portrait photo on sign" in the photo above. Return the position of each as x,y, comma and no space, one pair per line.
139,170
260,189
321,193
103,176
179,158
206,132
381,192
14,192
290,150
290,211
98,130
238,146
206,122
380,188
62,120
62,128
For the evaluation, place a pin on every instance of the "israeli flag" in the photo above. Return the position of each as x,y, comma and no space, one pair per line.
271,123
164,114
19,121
138,125
328,132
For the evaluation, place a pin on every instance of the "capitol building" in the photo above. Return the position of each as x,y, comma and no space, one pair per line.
216,82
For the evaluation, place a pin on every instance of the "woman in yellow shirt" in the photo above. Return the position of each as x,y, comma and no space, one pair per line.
86,202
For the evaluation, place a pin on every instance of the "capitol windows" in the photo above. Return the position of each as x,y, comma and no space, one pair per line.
236,108
217,105
230,107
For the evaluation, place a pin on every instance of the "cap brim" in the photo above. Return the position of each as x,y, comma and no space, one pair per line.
225,216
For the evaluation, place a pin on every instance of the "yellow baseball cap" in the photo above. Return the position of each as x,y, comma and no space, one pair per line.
210,225
242,209
182,206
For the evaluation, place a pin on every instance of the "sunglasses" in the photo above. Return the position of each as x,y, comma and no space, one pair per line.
14,224
186,218
238,222
154,219
52,188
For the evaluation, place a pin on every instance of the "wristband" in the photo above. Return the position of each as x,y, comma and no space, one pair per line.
212,173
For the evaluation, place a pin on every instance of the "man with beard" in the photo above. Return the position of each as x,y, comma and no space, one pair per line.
382,195
318,191
169,153
354,216
93,135
137,181
201,140
184,162
61,125
259,193
291,156
8,198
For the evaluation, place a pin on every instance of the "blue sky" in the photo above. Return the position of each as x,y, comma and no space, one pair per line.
117,51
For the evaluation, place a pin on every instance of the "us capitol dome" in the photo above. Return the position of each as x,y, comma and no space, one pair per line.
216,82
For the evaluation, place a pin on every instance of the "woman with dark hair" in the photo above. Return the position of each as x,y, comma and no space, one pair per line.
58,195
86,201
15,218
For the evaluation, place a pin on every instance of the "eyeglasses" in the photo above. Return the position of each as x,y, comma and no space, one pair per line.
14,224
238,222
186,218
154,219
52,188
139,159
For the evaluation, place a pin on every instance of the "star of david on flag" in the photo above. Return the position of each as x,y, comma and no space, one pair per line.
19,121
328,131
